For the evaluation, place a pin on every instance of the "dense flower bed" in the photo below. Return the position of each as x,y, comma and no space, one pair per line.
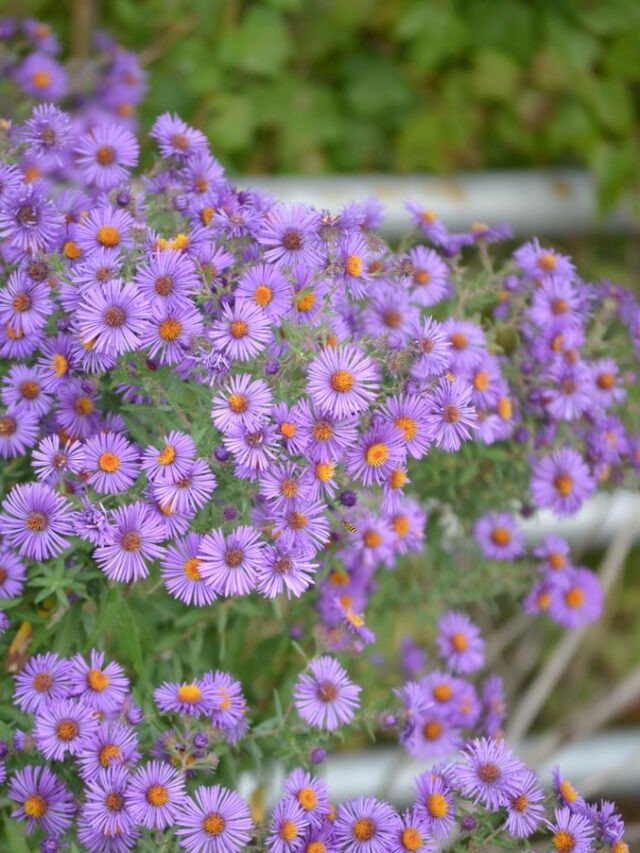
209,391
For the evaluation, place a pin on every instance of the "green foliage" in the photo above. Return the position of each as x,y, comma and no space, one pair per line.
323,85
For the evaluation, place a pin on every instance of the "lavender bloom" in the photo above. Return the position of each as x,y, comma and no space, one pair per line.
137,534
28,219
561,481
242,331
488,773
285,569
156,795
218,821
45,680
113,744
413,834
434,803
180,570
578,600
525,806
18,432
106,807
47,132
173,461
43,801
12,574
326,698
288,827
105,155
343,381
112,463
62,727
177,139
289,235
459,642
113,319
36,521
229,564
103,688
241,400
452,415
311,794
498,536
572,832
366,825
42,77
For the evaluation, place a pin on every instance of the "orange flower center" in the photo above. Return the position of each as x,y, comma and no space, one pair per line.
98,680
239,329
213,824
411,839
364,829
288,830
170,330
189,693
342,381
263,295
106,155
500,536
563,484
108,236
437,806
109,462
563,841
307,798
191,569
574,597
354,266
377,454
35,806
167,455
67,730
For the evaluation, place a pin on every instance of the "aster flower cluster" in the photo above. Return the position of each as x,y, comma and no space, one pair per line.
90,775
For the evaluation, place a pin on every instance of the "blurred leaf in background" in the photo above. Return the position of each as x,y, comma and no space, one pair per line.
323,86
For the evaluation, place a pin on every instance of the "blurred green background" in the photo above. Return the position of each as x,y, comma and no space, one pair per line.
318,86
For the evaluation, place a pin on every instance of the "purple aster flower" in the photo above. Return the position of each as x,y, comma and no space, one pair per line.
229,564
229,704
488,773
352,264
366,825
409,414
188,493
242,331
253,447
267,288
459,642
106,228
113,744
36,521
326,697
285,570
311,794
570,395
77,409
47,132
95,838
555,553
29,220
427,222
412,834
377,451
113,319
93,523
285,486
561,481
24,304
537,262
180,570
61,728
137,535
610,824
430,277
576,601
103,688
572,832
112,463
290,235
342,380
45,680
525,805
289,824
434,803
156,795
22,389
498,536
53,459
217,820
12,574
171,332
106,806
105,154
322,435
193,698
177,139
432,733
452,415
42,799
18,432
432,347
167,277
494,703
468,345
172,461
565,793
241,400
306,527
606,383
42,77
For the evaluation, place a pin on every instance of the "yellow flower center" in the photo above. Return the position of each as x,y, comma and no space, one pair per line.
108,754
288,430
67,730
567,791
377,454
263,295
505,408
342,381
500,536
35,806
354,266
239,329
459,641
170,330
411,839
408,426
397,478
108,236
213,824
71,250
563,841
41,79
167,455
98,680
289,488
442,692
288,830
432,730
520,803
157,795
316,847
364,829
305,303
191,569
372,539
437,806
401,525
324,471
574,597
109,462
547,262
105,155
189,693
59,364
563,484
307,798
